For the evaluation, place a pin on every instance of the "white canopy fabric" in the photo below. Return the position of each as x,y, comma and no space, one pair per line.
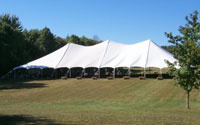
106,54
48,61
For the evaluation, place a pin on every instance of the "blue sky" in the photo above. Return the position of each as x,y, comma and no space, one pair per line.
124,21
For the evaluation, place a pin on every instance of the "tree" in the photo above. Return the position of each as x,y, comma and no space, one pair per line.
12,43
47,40
187,54
81,41
87,42
34,48
60,42
73,39
169,48
40,42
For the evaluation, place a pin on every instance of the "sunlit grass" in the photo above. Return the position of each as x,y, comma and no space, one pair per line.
100,101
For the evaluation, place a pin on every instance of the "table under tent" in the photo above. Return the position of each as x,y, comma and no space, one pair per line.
105,59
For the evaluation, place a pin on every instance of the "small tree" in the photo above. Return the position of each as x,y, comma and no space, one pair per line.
187,54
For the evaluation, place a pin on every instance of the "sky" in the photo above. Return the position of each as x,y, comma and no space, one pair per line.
123,21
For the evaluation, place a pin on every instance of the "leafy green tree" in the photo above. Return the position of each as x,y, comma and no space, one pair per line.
73,39
187,54
34,48
81,41
60,42
13,21
87,42
46,40
169,48
40,42
12,43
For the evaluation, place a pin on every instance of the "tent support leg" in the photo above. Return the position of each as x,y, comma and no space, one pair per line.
113,72
83,72
41,73
129,72
149,69
99,73
55,73
70,75
145,73
160,72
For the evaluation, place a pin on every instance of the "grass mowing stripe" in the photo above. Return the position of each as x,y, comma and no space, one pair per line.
101,101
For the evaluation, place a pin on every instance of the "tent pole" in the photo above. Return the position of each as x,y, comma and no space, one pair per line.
145,73
99,73
41,73
113,72
160,72
55,73
83,72
70,75
149,69
129,71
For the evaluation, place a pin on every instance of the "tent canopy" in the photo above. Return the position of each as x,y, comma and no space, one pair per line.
105,54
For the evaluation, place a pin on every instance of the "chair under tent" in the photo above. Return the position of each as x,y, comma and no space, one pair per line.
105,73
109,73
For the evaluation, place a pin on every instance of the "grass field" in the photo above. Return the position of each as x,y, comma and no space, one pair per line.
99,101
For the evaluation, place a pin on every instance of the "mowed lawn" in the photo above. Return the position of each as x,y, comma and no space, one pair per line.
99,101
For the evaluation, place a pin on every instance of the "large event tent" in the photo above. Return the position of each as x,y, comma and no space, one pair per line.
105,54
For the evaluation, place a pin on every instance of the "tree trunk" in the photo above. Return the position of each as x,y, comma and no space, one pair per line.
188,99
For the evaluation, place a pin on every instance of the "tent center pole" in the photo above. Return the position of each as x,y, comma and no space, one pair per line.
55,73
99,73
145,73
84,72
160,72
41,73
70,75
113,72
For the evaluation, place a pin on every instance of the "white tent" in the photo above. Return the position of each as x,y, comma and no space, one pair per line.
106,54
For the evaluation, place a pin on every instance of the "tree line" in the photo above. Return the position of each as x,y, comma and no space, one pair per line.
19,45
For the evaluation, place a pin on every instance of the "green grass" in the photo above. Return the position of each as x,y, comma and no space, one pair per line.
99,101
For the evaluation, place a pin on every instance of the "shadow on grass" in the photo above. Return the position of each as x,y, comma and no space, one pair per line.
20,85
24,120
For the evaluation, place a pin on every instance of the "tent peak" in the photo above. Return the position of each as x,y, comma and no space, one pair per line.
150,41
